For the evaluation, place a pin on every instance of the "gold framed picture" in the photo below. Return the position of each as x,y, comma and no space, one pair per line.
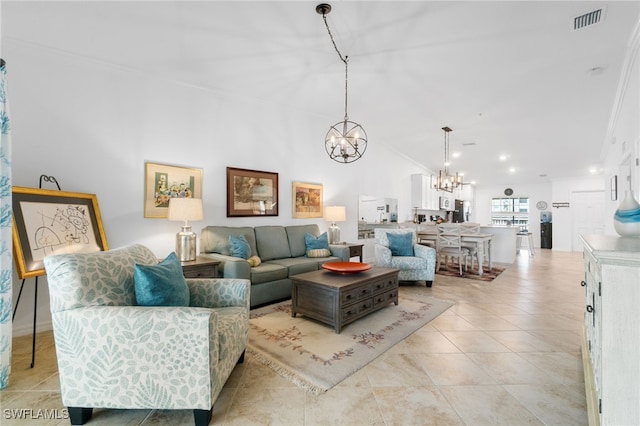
251,193
306,200
49,222
163,181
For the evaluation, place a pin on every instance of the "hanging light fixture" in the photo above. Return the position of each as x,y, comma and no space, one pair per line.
445,181
346,141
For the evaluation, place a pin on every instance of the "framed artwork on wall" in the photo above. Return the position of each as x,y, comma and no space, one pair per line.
53,222
251,193
306,200
163,181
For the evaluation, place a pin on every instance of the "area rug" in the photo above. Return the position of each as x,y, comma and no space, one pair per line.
452,270
311,355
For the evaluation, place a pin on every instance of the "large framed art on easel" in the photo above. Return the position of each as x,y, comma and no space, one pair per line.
53,222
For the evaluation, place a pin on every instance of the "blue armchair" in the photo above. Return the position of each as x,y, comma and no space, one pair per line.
421,266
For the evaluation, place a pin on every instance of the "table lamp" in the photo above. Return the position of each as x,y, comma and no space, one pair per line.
334,214
185,209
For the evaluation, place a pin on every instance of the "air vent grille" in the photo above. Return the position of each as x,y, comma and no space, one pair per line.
587,19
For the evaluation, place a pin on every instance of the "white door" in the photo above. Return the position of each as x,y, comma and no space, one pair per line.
587,209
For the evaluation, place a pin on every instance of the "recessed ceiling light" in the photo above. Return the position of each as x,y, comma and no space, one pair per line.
503,157
512,169
473,182
455,154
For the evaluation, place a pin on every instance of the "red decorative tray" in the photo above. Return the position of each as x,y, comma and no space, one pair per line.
346,267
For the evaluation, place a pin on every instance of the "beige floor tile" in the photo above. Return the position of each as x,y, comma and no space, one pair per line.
563,366
474,341
421,342
488,405
489,322
510,368
452,322
521,341
270,406
349,406
552,404
392,369
453,369
415,406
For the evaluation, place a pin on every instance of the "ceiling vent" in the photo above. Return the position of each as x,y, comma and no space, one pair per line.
588,19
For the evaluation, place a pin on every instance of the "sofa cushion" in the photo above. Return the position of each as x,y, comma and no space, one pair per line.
215,239
162,284
297,265
272,242
295,234
400,244
268,272
239,246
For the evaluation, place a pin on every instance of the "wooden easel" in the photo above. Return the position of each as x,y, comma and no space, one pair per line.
50,179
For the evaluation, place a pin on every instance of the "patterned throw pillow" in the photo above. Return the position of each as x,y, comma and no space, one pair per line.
312,242
318,253
162,284
400,244
239,246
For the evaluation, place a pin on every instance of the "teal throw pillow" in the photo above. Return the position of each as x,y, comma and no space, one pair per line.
400,244
239,246
162,284
312,242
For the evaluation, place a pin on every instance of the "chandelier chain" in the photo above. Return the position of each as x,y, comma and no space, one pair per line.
344,59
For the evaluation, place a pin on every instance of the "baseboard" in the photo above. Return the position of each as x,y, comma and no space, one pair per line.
26,329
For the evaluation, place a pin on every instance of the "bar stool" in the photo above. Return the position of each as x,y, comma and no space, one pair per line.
521,235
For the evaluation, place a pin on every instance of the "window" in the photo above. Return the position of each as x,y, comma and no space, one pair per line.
510,211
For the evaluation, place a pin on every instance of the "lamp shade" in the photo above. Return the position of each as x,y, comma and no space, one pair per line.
335,214
185,209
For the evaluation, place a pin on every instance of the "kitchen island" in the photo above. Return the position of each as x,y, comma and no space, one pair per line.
503,244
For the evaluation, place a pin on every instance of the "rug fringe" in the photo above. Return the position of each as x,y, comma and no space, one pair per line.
285,372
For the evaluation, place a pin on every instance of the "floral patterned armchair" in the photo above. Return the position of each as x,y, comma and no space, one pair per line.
114,354
418,267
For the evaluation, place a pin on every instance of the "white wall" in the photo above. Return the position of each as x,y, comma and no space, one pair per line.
93,126
535,192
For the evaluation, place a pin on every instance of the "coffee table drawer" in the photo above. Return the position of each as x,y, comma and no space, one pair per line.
356,310
385,284
386,297
356,294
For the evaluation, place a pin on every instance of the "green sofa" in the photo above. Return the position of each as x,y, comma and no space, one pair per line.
281,249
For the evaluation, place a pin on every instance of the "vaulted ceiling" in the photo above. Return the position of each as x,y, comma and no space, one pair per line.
510,78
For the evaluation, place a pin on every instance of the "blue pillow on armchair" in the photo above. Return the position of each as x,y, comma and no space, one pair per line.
162,284
400,244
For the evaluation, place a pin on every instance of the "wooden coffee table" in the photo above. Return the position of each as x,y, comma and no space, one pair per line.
338,299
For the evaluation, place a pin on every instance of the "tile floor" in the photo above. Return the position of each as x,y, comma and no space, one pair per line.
508,353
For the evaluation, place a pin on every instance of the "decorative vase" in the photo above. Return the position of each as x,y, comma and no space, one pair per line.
626,219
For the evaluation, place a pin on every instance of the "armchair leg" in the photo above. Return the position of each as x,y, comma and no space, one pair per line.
79,415
202,417
429,283
241,359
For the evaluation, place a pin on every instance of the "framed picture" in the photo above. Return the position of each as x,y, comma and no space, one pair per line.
162,182
306,200
614,188
251,193
52,222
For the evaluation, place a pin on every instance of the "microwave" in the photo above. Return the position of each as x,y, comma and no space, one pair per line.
445,203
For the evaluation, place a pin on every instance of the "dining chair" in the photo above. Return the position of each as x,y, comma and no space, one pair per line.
449,244
470,228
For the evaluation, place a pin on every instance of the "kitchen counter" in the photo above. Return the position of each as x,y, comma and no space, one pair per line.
503,244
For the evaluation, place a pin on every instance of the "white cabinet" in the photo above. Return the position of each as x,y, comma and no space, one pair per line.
611,338
423,196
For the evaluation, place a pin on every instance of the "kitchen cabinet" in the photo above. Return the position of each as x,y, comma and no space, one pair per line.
611,331
423,196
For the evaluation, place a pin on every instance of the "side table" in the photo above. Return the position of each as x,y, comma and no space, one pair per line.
202,267
355,249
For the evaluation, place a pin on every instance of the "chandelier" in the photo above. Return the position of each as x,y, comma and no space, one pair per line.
346,141
446,181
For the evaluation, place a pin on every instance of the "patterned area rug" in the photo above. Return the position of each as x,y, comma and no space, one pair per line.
312,356
487,275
